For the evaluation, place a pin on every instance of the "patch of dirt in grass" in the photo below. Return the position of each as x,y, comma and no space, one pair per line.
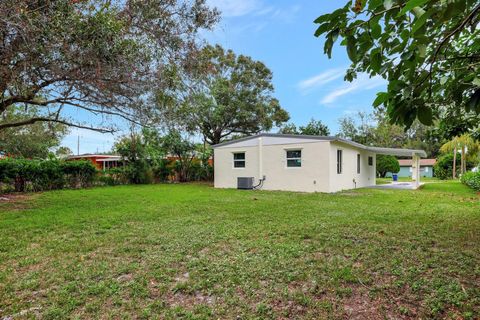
17,201
360,306
25,313
127,277
189,301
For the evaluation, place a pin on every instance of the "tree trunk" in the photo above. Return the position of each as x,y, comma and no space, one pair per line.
463,165
454,169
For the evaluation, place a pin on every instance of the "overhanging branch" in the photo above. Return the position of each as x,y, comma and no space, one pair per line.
45,119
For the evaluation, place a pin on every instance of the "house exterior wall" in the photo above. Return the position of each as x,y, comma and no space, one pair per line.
345,180
225,175
406,171
270,161
267,157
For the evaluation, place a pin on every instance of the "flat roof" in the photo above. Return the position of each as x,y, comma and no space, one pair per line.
423,162
378,150
88,155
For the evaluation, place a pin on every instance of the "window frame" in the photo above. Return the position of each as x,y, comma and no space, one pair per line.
370,160
339,161
235,161
358,163
293,158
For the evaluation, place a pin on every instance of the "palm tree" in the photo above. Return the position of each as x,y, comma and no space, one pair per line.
463,143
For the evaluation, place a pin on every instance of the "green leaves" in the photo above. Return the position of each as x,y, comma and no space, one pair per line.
412,4
322,29
474,102
425,115
376,60
419,22
382,97
352,48
388,4
331,38
422,81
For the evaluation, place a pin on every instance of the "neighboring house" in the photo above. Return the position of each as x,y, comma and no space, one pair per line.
101,161
299,163
108,161
406,170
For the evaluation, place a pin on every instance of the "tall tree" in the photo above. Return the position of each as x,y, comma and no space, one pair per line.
428,50
376,129
182,148
227,95
462,143
34,141
359,129
314,128
93,56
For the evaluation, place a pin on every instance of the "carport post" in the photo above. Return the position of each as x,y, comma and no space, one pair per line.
416,170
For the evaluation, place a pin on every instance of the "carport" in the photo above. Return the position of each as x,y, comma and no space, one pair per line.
415,154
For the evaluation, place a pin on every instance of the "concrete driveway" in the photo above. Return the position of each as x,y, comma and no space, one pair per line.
398,185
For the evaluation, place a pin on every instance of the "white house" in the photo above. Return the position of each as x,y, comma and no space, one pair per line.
300,163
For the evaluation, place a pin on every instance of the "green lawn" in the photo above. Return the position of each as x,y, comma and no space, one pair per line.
191,251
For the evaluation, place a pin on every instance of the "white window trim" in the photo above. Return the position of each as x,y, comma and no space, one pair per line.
233,160
286,159
341,162
358,163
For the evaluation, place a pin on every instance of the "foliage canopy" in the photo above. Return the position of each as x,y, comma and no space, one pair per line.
427,50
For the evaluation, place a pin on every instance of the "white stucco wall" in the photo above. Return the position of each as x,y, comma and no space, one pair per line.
344,180
266,156
312,176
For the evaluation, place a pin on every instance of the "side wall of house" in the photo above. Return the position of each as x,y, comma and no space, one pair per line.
225,175
349,178
267,157
406,171
312,176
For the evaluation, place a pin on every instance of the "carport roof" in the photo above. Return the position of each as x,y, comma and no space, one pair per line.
377,150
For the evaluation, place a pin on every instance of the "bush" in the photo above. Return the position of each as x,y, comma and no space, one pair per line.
163,170
199,171
386,163
443,169
471,179
138,172
37,175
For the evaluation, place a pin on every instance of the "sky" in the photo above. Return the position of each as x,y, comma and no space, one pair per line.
280,34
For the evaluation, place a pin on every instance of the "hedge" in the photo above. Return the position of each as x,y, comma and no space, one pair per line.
37,175
471,179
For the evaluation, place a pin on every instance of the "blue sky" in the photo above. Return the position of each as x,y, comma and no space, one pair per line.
280,34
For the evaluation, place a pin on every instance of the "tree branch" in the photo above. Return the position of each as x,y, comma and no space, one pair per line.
45,119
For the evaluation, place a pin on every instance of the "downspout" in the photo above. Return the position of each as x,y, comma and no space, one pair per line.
260,158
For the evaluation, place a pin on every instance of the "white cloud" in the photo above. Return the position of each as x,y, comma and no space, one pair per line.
363,82
235,8
238,8
321,79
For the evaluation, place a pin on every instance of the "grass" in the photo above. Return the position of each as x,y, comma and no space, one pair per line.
194,252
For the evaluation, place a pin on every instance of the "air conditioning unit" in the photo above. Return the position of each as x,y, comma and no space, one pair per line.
245,183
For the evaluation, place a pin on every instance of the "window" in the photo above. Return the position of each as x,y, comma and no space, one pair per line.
239,160
358,163
370,161
339,161
294,158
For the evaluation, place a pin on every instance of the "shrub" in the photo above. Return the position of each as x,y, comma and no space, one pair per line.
37,175
138,172
471,179
163,170
443,169
386,163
